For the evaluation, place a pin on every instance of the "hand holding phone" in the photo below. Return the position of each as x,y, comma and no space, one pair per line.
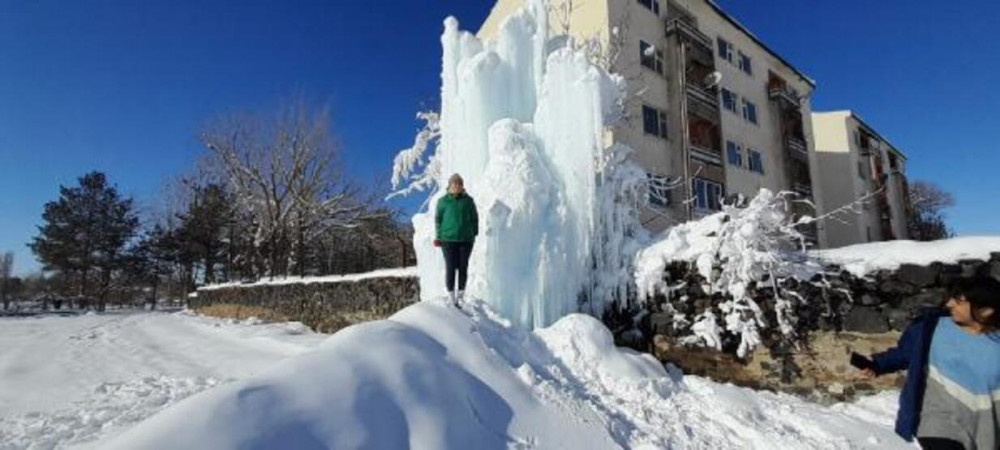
862,362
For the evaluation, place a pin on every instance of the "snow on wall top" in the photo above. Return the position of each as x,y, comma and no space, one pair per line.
405,272
863,259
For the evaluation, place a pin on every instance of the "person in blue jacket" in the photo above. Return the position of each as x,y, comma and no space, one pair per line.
951,397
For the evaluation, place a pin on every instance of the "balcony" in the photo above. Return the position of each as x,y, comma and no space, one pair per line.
797,148
688,32
699,93
785,95
868,149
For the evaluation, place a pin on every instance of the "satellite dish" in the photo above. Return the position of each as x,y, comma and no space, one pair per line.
713,79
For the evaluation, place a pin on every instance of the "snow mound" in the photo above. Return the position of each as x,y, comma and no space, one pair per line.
863,259
584,344
70,381
435,377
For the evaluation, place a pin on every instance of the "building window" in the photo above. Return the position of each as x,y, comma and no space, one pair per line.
707,195
659,189
652,5
728,100
651,57
749,111
745,64
735,154
725,50
861,170
654,121
756,161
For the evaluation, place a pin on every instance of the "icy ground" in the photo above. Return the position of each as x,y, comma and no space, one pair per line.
65,381
429,377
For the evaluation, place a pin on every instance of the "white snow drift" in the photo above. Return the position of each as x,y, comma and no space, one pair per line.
66,381
433,377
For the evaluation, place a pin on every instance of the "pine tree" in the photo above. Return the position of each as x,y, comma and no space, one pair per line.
204,227
85,235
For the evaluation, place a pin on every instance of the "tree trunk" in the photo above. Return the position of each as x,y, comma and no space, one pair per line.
209,265
83,283
188,278
156,284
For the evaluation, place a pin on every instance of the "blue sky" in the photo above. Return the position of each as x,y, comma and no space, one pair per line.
122,86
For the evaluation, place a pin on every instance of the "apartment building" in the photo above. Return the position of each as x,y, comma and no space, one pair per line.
856,163
716,109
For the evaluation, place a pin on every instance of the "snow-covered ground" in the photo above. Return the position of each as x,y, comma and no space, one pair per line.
69,380
429,377
863,259
404,272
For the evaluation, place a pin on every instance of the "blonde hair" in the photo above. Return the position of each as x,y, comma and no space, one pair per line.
456,178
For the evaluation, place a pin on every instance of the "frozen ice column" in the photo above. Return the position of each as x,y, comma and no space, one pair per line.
524,127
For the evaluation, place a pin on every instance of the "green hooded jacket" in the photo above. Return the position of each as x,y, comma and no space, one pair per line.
456,219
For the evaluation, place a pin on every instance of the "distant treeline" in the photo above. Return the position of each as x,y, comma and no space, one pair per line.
268,198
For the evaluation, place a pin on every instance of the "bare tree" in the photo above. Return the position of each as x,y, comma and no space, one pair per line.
286,175
925,219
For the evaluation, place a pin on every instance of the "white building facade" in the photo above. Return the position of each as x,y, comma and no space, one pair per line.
861,169
714,108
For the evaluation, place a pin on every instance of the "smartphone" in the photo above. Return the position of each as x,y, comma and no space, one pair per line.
861,362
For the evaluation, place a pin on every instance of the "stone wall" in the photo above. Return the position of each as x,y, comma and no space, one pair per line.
842,314
323,306
887,300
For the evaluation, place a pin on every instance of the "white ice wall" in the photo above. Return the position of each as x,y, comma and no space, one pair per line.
524,128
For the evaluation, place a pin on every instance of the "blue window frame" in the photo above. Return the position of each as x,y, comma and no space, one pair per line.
745,64
756,161
652,5
707,194
728,100
654,121
749,111
734,153
651,57
725,49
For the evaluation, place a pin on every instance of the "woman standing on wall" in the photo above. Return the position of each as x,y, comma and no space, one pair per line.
457,225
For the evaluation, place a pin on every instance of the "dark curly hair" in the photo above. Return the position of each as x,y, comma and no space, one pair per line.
983,294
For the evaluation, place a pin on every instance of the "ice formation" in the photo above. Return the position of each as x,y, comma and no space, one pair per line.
523,120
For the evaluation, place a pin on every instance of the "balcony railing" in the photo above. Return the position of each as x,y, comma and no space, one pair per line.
687,31
786,95
706,154
797,148
701,94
